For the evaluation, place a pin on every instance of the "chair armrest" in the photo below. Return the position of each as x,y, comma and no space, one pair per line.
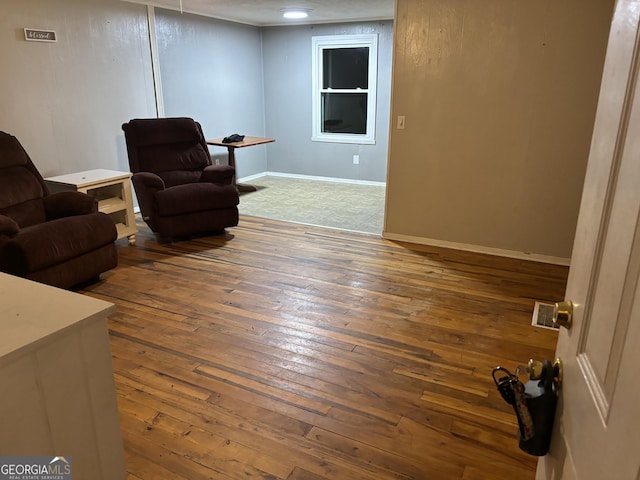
221,174
148,180
68,204
146,185
8,227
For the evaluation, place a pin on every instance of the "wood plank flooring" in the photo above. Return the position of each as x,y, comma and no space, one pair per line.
282,351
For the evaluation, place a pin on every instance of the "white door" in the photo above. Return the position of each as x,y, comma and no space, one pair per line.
597,430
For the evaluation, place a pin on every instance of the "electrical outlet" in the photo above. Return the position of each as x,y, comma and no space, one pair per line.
356,159
400,122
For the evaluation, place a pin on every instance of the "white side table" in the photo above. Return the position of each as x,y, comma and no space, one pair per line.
111,188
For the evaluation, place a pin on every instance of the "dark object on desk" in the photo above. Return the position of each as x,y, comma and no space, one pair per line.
179,191
55,238
233,138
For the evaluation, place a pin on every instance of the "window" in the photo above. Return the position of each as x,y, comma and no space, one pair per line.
344,88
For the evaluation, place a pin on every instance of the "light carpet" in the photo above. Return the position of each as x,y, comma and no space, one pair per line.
346,206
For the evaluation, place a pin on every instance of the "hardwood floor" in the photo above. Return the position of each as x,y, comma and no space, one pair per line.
283,351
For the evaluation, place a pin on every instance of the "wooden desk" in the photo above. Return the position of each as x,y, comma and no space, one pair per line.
231,147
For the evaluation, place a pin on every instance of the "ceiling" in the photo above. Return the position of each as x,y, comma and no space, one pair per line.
265,13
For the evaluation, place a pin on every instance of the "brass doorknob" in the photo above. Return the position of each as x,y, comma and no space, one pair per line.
563,314
558,372
535,368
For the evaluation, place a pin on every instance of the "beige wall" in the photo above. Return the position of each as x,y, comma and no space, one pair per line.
499,98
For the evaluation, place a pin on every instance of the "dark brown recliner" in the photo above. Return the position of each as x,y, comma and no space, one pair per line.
60,238
179,191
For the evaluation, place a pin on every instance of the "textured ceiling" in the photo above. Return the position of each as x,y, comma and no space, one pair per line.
269,12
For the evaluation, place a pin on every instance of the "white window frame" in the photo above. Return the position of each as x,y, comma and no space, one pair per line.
319,43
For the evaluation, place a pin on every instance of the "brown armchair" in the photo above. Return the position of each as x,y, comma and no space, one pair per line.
59,239
179,191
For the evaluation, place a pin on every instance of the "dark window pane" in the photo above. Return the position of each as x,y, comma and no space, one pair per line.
345,67
344,113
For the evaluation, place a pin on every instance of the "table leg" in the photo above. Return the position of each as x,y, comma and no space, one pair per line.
232,163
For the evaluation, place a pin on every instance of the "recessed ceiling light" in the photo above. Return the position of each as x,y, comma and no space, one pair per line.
295,13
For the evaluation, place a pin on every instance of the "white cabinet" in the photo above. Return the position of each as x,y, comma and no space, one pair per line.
57,394
111,188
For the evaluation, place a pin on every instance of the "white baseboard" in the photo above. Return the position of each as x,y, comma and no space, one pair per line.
310,177
533,257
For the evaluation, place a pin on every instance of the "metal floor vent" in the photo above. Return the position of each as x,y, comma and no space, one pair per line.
543,316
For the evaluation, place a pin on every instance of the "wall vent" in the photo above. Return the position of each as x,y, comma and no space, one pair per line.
543,316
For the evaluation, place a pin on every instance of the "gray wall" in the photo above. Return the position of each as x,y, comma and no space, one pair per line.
66,101
287,80
211,71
